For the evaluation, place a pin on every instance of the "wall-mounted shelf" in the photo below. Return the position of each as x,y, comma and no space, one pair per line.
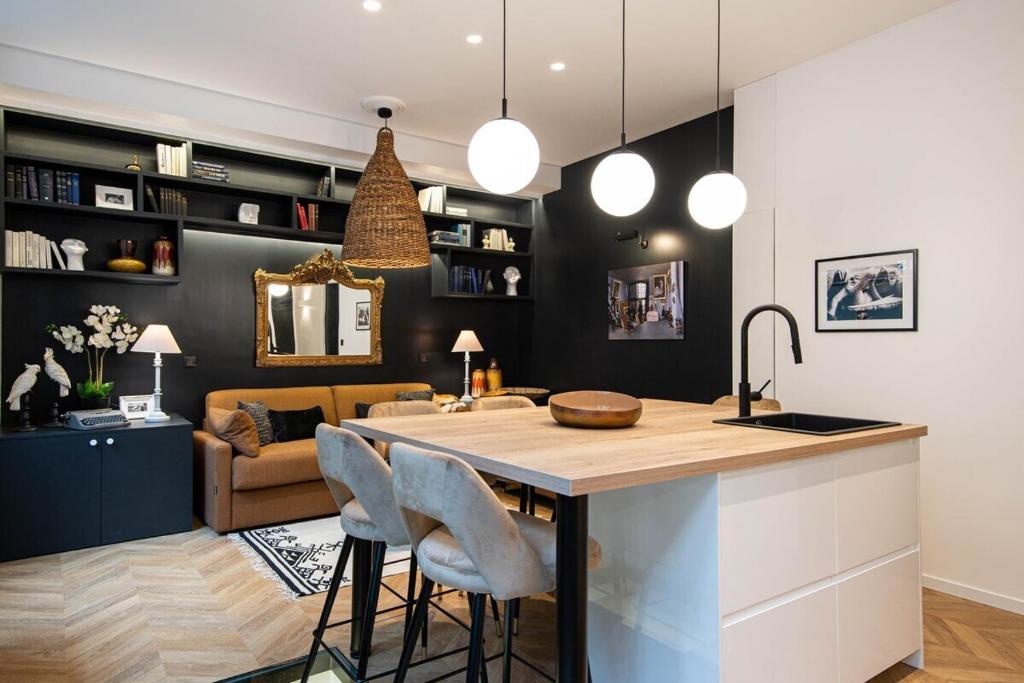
483,297
256,230
105,275
497,253
92,211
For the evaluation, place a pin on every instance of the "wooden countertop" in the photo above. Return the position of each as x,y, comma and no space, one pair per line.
671,441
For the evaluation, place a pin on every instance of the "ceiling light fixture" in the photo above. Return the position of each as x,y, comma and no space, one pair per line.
372,5
718,199
623,182
474,39
503,154
558,66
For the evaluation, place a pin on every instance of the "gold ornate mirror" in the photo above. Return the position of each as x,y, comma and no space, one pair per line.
318,314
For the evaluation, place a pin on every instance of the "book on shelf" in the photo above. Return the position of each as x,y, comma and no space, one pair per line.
44,184
206,170
170,159
172,201
323,187
26,249
301,212
432,199
313,211
446,237
497,239
467,280
151,200
460,211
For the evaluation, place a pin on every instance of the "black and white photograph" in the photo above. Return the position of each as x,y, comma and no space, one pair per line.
114,198
646,302
363,315
867,293
136,407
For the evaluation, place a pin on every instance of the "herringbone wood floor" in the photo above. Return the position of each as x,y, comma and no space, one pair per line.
189,607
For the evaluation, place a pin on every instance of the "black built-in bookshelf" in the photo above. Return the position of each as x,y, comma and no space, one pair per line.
99,153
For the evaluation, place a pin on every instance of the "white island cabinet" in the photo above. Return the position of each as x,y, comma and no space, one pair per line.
801,571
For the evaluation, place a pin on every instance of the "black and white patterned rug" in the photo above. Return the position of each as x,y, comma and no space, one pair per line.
301,556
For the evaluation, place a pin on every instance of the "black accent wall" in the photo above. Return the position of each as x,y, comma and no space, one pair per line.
212,315
576,249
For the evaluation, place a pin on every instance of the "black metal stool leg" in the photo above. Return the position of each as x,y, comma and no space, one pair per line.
410,594
506,656
478,615
515,616
419,616
370,613
325,613
497,617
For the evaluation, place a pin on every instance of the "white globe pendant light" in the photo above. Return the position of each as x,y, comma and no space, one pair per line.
623,182
718,199
503,154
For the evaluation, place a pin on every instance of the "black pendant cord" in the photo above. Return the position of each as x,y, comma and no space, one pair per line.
718,95
384,113
623,110
504,59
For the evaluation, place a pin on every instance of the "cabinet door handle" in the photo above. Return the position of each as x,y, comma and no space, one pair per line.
94,442
110,441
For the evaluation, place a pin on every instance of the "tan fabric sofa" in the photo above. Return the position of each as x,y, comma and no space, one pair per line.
284,482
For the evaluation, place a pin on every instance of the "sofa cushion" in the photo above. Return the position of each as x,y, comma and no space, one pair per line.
260,419
279,464
293,425
288,398
237,428
346,395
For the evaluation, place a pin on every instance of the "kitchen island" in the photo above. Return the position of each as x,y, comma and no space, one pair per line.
730,553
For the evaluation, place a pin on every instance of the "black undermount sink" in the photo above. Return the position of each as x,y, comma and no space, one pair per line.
804,423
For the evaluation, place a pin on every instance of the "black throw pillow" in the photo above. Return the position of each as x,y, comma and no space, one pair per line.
363,409
292,425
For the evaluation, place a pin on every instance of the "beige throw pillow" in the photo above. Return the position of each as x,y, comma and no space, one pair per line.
237,428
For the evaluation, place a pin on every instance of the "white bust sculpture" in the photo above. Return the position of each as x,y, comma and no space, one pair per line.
512,277
74,249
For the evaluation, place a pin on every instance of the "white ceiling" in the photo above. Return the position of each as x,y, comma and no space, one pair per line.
325,56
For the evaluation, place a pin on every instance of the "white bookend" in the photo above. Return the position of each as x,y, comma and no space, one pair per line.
56,255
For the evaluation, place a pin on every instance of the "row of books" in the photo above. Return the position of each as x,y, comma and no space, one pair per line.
323,187
433,199
170,160
205,170
497,239
467,280
309,216
45,184
26,249
461,235
171,201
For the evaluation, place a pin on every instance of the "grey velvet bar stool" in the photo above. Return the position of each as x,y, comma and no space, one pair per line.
360,482
464,537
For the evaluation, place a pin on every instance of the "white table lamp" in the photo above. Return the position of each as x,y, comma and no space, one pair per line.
466,343
157,339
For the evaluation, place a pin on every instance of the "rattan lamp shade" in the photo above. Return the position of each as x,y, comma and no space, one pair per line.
385,227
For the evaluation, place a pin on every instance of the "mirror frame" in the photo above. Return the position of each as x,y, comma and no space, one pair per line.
318,270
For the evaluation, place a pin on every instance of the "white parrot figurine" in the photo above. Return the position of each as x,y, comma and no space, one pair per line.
22,386
56,372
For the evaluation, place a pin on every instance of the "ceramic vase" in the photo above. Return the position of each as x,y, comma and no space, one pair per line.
493,376
163,257
75,251
478,385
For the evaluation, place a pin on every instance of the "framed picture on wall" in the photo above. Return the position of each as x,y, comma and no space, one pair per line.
866,293
363,315
646,302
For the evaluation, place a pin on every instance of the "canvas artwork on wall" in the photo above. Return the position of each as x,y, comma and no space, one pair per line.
866,293
646,302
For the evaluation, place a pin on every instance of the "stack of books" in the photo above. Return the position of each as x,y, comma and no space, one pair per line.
25,182
25,249
466,280
323,187
170,160
204,170
460,235
171,201
309,216
433,199
497,239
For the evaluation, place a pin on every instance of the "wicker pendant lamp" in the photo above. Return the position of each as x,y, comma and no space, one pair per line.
385,227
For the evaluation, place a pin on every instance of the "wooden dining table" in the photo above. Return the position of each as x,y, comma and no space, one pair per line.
672,440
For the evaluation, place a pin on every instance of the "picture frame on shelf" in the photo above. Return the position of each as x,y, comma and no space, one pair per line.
866,292
136,407
108,197
362,315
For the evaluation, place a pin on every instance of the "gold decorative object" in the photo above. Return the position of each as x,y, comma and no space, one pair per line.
595,409
318,270
127,263
493,376
133,165
533,393
385,227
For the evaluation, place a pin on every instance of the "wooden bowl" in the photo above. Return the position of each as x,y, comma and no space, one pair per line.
532,393
595,409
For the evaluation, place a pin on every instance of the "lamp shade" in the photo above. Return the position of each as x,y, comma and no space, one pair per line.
622,183
385,227
717,200
156,339
503,156
467,342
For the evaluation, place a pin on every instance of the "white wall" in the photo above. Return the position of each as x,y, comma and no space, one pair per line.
912,138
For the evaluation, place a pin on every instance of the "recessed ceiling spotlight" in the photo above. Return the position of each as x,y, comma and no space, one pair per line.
558,66
372,5
474,39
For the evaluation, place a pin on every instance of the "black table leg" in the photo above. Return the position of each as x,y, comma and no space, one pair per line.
571,578
362,555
